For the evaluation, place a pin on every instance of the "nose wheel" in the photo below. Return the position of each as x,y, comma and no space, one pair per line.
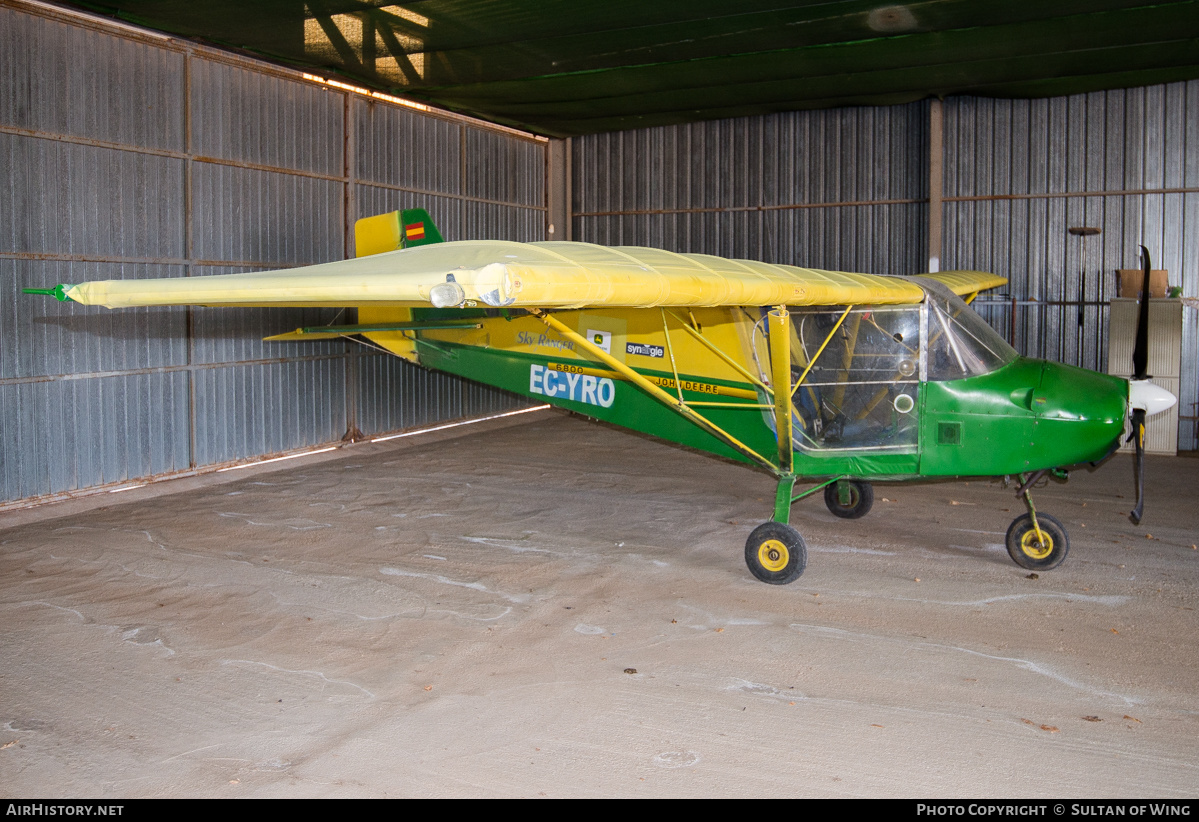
776,553
1037,547
1036,541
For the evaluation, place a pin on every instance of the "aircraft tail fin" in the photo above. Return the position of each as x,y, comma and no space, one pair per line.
418,228
393,231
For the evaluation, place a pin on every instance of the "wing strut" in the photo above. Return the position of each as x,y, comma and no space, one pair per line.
657,393
729,361
780,374
781,395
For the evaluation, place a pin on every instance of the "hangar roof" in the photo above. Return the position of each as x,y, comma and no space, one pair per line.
571,67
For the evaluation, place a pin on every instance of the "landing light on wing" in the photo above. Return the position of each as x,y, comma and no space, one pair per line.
446,295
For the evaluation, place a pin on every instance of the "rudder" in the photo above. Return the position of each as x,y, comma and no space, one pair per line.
393,231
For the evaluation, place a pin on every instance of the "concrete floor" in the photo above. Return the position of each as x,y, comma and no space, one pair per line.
554,608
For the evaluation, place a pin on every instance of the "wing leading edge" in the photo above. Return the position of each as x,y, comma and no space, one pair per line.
519,275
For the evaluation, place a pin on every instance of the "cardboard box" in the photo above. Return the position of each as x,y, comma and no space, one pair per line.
1129,281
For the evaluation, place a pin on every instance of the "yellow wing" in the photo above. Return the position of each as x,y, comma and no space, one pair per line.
519,275
964,283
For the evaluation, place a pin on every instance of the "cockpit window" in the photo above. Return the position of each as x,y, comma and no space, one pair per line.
860,370
861,377
960,343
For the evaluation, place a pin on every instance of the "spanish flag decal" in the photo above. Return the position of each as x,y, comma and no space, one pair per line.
414,231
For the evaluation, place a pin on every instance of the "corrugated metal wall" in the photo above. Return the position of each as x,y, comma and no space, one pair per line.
848,189
1020,173
125,156
842,188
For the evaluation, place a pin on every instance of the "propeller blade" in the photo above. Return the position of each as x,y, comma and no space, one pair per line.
1138,436
1140,353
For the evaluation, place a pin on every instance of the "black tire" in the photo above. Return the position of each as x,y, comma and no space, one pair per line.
861,498
776,553
1024,549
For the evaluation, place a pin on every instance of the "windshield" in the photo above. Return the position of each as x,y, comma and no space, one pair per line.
960,343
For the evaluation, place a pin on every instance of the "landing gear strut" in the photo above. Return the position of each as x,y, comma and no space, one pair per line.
775,552
1035,541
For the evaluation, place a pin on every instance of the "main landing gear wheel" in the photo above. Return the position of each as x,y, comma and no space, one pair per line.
776,553
861,497
1035,554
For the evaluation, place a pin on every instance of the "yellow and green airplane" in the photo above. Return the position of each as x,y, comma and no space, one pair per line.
841,378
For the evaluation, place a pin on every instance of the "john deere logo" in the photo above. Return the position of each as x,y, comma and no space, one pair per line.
600,339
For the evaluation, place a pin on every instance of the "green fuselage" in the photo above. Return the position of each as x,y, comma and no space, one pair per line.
1021,416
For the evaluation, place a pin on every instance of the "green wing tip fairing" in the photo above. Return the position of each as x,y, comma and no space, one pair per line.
58,292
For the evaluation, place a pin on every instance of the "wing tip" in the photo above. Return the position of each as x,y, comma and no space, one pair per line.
58,292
